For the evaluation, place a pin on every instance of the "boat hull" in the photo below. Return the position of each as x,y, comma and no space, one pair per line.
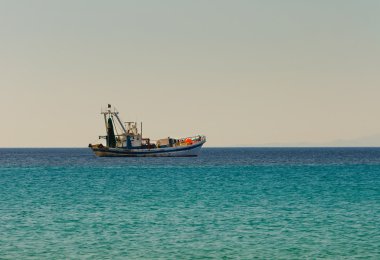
181,151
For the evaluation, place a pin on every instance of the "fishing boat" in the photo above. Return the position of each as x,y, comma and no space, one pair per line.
125,139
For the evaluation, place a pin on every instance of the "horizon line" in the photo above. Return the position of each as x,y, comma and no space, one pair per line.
84,147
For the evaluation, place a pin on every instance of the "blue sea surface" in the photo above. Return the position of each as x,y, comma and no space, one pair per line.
228,203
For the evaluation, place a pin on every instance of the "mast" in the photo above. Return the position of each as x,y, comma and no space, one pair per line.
105,113
114,113
105,120
121,124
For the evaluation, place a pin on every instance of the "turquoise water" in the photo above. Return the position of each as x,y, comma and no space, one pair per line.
228,203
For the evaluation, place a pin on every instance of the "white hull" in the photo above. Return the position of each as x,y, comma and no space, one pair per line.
181,151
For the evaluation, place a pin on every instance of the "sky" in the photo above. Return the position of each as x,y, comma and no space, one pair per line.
243,73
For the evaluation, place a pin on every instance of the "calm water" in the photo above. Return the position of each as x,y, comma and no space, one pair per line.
227,203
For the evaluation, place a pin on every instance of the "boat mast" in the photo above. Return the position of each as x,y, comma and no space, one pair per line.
105,113
121,124
105,120
115,113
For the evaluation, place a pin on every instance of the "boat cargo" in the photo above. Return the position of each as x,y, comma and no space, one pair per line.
125,139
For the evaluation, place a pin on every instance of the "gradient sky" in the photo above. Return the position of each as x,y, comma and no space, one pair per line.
246,73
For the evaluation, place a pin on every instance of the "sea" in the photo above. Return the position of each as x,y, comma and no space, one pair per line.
228,203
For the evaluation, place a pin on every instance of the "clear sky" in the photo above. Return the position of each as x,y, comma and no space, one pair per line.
246,73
